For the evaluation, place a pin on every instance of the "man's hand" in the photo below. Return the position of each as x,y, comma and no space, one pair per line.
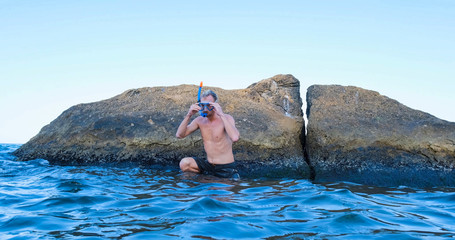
193,109
217,109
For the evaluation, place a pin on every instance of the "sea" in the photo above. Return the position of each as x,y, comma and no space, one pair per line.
39,200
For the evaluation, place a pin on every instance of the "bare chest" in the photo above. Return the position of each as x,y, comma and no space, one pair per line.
213,131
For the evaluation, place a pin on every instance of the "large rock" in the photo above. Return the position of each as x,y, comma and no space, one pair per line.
139,125
361,136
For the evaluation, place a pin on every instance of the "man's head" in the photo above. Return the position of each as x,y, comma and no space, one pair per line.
208,96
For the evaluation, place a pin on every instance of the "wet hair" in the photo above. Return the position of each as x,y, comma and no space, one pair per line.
210,93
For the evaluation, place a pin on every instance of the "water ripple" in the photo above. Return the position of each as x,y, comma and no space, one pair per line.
41,201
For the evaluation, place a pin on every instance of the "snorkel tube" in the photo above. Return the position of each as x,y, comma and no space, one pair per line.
199,100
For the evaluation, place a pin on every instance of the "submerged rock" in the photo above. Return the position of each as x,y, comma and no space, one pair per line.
358,135
139,125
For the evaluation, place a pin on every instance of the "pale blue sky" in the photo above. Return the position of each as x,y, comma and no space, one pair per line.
55,54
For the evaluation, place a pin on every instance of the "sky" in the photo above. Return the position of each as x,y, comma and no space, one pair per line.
56,54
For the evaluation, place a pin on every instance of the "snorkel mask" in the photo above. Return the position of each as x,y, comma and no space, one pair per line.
203,105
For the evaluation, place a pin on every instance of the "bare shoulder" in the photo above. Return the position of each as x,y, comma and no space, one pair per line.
195,123
198,119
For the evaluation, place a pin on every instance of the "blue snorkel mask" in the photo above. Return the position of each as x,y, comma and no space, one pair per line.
203,105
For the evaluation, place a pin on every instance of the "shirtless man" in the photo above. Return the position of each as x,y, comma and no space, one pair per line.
218,133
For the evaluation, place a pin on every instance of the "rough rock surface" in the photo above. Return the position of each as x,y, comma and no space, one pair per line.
139,125
358,135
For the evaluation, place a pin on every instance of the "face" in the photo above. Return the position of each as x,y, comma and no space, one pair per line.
207,109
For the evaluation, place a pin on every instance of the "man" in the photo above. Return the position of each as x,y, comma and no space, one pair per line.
218,133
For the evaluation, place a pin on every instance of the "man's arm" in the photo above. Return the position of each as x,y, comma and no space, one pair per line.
229,123
186,129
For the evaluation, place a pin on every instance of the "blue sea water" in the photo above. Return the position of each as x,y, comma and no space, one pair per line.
42,201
